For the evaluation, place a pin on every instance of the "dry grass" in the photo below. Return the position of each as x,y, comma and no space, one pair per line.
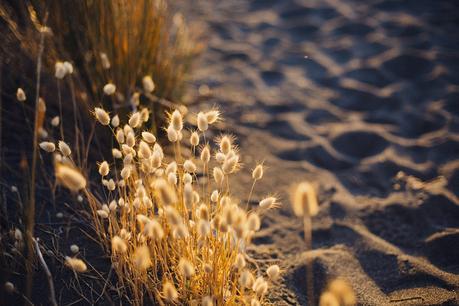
174,231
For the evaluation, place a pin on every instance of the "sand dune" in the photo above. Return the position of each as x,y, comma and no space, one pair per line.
360,97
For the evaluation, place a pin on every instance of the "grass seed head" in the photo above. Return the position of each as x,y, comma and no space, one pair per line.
20,95
169,291
64,148
141,258
257,173
304,197
186,268
147,83
47,146
328,299
273,272
109,89
69,177
115,121
149,137
119,246
194,139
60,70
75,264
55,121
104,168
102,116
203,124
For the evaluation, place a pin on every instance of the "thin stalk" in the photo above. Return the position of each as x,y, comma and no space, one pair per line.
309,261
30,213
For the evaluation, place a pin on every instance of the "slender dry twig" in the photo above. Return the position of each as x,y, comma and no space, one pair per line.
49,276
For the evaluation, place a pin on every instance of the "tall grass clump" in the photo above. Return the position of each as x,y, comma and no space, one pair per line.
114,41
174,230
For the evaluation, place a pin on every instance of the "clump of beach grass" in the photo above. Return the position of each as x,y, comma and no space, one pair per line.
173,228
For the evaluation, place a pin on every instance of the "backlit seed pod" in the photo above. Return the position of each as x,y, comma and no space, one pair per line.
68,67
9,287
207,301
64,148
169,292
172,215
130,140
194,139
117,153
147,83
126,172
104,168
55,121
180,232
203,228
343,291
156,159
47,146
188,195
205,154
20,95
225,144
268,202
246,279
141,258
144,150
213,116
204,212
218,175
253,222
113,205
102,213
172,134
177,121
115,121
74,248
254,302
189,166
203,124
260,286
304,198
69,177
120,136
111,185
119,246
187,178
230,165
102,116
186,268
104,60
153,230
328,299
127,129
273,272
171,168
149,137
75,264
144,114
166,194
135,120
214,196
220,157
172,178
60,70
157,148
240,262
257,173
109,89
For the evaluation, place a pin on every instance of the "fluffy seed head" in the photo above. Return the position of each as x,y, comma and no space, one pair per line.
141,258
147,83
268,203
186,268
260,286
104,60
225,144
205,154
115,121
203,228
47,146
119,246
169,291
273,272
74,248
171,168
135,120
218,175
257,173
189,166
240,261
213,116
69,177
328,299
343,292
120,136
149,137
144,150
172,134
166,194
75,264
117,153
153,230
60,70
177,120
304,199
203,124
214,196
109,89
207,301
55,121
104,168
172,215
194,139
102,116
20,95
253,222
64,148
68,67
230,164
187,178
246,279
9,287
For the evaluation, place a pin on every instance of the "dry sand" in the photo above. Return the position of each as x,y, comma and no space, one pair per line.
371,116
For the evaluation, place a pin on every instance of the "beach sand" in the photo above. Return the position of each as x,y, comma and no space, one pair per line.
360,98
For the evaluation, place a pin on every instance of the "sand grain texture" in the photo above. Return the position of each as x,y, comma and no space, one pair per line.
371,116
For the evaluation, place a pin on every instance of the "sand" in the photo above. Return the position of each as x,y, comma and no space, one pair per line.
361,98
